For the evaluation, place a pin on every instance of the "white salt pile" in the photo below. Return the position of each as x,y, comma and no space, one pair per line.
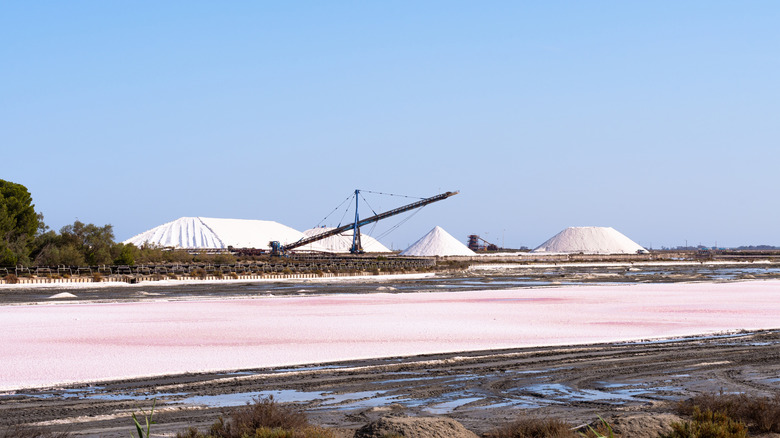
203,232
62,295
438,243
590,240
340,243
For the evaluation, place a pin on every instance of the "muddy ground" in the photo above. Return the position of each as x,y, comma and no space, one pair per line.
480,389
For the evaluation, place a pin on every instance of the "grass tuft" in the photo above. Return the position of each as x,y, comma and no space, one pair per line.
760,414
534,428
708,424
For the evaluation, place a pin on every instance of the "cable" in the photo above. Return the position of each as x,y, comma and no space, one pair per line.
391,194
345,211
334,210
369,205
398,225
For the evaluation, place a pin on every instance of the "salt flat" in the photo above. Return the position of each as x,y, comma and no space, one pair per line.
49,345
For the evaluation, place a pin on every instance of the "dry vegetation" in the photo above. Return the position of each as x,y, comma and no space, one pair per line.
534,428
759,414
263,419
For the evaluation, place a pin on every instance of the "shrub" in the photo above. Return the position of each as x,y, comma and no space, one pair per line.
262,419
759,413
708,424
218,274
199,272
97,277
173,276
533,428
11,279
286,271
234,275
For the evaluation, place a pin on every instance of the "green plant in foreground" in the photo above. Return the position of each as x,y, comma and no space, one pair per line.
147,420
608,430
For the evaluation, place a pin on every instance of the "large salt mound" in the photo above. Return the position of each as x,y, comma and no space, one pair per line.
340,243
204,232
438,243
590,240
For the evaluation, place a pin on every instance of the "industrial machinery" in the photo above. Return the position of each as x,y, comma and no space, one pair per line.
278,249
476,246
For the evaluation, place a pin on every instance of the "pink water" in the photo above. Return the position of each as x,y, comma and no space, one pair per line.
48,345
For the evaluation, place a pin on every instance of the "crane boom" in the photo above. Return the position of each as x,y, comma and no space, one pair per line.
276,247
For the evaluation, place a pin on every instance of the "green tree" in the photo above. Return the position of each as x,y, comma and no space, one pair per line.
18,224
92,241
124,254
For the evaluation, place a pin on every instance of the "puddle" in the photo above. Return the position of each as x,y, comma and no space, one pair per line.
447,407
93,394
565,393
242,398
362,399
136,397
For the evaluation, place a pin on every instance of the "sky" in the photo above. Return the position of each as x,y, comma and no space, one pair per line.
658,119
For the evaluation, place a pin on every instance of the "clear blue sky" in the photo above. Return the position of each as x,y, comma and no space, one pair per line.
659,119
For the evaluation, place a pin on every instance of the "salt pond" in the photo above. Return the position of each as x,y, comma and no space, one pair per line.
48,345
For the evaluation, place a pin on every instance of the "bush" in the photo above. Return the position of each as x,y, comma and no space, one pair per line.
708,424
198,272
234,275
759,413
97,277
534,428
11,279
262,419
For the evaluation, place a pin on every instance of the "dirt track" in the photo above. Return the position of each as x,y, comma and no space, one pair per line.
480,389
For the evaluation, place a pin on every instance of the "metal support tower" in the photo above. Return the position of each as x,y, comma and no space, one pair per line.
357,247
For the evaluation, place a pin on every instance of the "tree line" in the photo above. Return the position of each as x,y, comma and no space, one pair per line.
26,240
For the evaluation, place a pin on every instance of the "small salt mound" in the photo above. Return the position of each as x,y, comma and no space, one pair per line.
340,243
590,240
438,243
62,295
